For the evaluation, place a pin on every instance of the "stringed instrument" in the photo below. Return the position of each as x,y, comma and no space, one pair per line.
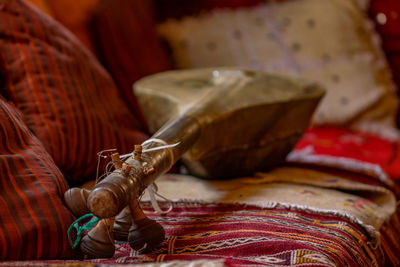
222,123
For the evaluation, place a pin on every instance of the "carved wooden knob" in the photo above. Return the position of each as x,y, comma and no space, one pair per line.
76,198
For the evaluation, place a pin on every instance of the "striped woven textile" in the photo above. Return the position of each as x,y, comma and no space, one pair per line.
251,235
242,235
390,240
33,219
67,99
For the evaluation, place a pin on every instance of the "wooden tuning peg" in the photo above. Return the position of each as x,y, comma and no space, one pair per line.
137,153
116,160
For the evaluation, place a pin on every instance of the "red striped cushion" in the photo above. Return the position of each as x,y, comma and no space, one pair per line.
33,219
67,99
124,34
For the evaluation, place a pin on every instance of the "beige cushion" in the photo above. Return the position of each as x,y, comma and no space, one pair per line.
329,41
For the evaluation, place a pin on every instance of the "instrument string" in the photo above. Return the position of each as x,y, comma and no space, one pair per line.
152,189
162,145
100,155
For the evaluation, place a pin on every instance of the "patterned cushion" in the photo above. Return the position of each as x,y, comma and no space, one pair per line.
124,33
67,99
33,219
364,148
328,41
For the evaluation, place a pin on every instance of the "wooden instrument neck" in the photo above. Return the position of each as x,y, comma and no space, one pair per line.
119,188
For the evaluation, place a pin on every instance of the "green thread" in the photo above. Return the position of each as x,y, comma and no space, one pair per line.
81,229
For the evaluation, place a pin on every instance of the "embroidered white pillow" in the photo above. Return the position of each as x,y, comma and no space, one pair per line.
329,41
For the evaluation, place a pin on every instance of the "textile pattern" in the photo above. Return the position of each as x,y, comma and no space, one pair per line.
358,147
243,235
33,219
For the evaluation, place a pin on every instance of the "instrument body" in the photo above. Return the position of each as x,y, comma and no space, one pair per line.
248,120
225,123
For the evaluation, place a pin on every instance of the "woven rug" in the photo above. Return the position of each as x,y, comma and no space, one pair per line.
240,235
290,187
290,216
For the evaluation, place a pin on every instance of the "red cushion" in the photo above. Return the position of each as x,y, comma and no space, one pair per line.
362,147
67,99
33,219
124,33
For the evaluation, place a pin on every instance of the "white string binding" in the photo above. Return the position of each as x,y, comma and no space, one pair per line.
152,189
99,157
164,145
